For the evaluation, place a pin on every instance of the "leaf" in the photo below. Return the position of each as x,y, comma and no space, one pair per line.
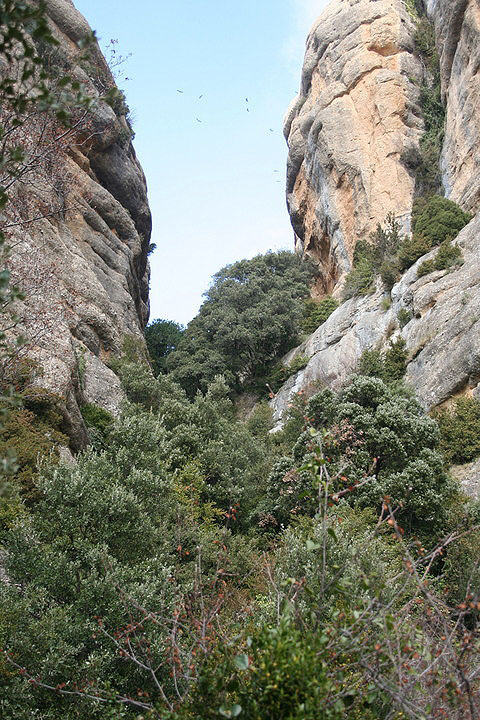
332,534
232,712
312,546
241,662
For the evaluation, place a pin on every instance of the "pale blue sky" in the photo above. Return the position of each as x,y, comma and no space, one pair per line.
216,187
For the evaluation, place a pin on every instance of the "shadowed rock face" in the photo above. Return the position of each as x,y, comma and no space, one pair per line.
83,268
355,119
457,26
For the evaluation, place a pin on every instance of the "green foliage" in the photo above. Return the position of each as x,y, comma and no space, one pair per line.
379,252
428,166
280,373
460,430
360,279
281,675
96,417
411,248
162,338
251,316
404,316
317,312
389,365
447,256
373,431
437,219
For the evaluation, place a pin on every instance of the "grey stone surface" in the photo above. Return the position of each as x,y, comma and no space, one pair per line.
457,24
469,477
328,152
442,338
84,266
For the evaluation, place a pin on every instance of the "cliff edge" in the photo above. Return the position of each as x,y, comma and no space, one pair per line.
79,226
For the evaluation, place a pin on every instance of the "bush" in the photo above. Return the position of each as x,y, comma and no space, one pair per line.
280,373
411,249
162,338
447,256
460,431
360,280
404,316
372,432
389,365
316,313
438,219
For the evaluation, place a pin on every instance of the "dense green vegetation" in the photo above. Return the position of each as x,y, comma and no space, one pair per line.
435,221
252,315
123,558
460,430
317,312
191,566
162,338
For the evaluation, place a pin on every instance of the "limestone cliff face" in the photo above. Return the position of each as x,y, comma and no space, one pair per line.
442,337
355,119
457,26
349,132
83,266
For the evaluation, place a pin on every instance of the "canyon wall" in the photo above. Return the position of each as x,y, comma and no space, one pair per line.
352,133
79,226
351,130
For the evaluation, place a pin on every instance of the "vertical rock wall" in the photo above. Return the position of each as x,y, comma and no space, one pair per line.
83,266
351,130
457,25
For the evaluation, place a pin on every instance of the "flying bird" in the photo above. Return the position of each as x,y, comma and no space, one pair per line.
271,130
198,120
180,91
200,97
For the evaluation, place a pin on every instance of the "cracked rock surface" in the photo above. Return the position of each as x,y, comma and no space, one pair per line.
83,266
354,121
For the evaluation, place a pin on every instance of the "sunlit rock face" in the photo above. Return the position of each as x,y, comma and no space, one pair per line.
351,130
83,266
442,338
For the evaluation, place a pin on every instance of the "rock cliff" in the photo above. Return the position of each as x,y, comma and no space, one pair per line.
355,119
351,131
83,265
457,26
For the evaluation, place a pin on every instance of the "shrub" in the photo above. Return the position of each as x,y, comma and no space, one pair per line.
371,432
280,373
438,219
360,280
389,365
96,416
404,316
460,430
411,249
448,255
162,338
251,317
316,313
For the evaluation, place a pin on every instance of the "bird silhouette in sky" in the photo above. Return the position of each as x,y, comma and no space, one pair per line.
198,120
200,97
180,91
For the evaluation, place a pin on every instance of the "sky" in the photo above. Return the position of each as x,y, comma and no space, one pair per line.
209,82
